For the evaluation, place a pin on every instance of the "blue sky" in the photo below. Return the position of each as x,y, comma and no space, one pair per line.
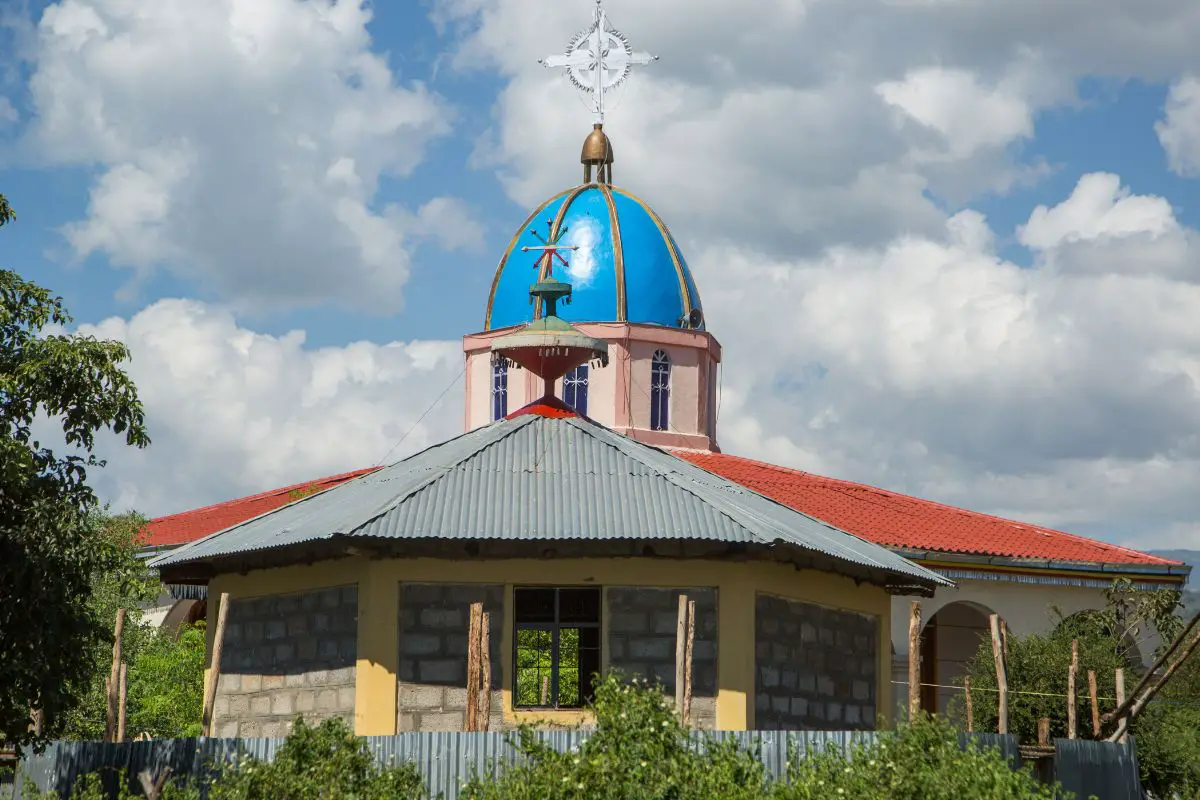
869,184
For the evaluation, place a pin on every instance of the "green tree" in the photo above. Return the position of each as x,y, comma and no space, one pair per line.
128,584
166,684
49,546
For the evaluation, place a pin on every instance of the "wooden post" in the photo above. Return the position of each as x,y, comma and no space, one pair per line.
1121,699
151,785
545,690
114,675
680,653
214,670
914,659
1044,732
1144,696
473,670
485,687
970,708
1072,673
998,655
1095,704
122,682
687,663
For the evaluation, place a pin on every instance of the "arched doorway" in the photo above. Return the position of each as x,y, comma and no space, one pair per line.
184,612
950,639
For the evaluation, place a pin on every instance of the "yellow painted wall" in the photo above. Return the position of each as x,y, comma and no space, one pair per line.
736,584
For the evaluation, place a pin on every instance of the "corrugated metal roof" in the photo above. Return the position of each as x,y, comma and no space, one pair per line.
538,478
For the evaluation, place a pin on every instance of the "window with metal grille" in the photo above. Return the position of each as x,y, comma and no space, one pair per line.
660,391
499,389
557,646
575,388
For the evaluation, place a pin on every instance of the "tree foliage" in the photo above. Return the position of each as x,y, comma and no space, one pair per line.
49,545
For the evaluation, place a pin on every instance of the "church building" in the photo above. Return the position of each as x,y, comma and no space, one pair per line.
587,492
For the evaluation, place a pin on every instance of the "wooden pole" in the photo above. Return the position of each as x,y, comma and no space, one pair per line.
687,662
680,654
1044,732
1095,704
485,689
545,690
1140,700
1072,673
214,671
914,659
114,677
473,670
121,694
1001,674
970,708
1123,706
1121,702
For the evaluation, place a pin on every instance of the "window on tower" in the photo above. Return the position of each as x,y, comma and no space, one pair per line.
660,391
557,646
499,389
575,389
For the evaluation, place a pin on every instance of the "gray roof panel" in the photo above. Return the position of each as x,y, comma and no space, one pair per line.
538,478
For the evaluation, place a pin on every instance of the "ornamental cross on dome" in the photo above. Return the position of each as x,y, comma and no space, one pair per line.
549,251
597,60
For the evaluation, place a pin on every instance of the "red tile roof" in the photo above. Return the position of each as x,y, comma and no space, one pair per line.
878,515
187,526
897,520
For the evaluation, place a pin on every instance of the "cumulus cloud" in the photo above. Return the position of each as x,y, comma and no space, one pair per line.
233,412
1179,130
240,143
934,366
952,102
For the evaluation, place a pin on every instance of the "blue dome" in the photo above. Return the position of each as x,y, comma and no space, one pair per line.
627,267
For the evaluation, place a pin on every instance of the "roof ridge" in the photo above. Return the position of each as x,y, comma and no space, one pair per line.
175,555
957,509
675,476
341,477
445,469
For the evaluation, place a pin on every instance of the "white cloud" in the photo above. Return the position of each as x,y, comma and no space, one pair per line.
240,143
968,116
932,365
233,412
1179,131
1098,208
1103,228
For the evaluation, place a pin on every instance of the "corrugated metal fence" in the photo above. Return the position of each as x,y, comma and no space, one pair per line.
1105,770
448,760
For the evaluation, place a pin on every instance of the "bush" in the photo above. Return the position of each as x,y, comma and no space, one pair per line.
922,761
326,762
638,750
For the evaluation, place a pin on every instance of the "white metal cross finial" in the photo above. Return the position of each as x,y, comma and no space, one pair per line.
597,60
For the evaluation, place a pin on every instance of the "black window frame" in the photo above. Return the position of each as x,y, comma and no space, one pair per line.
586,685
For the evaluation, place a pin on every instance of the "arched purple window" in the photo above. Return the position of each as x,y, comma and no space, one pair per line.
660,391
575,389
499,389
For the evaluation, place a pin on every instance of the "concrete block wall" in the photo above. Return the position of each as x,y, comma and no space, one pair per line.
287,655
641,640
434,623
814,667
